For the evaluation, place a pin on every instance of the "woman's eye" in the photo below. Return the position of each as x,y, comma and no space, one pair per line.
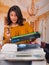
11,14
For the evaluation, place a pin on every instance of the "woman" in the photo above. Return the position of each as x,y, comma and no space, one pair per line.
16,24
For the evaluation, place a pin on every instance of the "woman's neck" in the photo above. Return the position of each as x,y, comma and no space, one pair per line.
13,25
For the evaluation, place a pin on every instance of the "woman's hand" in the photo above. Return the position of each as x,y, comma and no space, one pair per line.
7,33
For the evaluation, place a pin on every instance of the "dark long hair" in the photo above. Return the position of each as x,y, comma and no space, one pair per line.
18,12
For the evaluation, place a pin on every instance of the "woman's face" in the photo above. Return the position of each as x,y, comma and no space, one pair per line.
13,17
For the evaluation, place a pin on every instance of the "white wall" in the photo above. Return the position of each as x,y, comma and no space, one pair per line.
1,26
47,29
43,6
